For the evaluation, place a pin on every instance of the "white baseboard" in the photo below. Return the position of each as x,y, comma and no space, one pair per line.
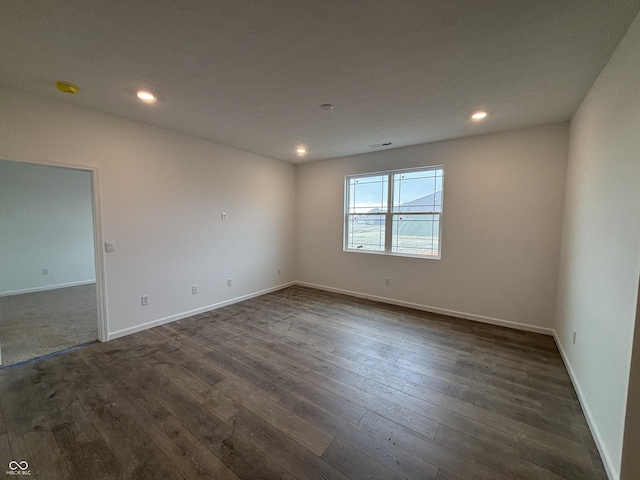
180,316
427,308
47,287
610,468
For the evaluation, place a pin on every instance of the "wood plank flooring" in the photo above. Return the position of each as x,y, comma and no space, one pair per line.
301,384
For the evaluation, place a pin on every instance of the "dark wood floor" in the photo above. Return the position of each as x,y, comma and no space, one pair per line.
301,384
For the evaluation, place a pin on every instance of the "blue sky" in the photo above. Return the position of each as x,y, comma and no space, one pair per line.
371,192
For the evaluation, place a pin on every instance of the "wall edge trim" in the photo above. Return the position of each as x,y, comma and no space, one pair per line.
189,313
610,469
428,308
47,287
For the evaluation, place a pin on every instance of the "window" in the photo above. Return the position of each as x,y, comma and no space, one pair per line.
397,212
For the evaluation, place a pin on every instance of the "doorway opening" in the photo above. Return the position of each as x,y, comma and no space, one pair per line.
49,286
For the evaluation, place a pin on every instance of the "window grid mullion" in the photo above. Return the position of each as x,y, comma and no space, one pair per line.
388,219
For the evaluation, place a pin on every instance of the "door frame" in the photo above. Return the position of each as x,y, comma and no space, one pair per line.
98,252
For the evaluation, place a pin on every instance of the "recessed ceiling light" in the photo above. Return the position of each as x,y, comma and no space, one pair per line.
146,96
66,87
301,151
326,106
479,115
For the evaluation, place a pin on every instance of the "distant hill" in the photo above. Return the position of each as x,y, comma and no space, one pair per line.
432,202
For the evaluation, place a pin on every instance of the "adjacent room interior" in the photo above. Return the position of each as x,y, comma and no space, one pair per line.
48,280
239,336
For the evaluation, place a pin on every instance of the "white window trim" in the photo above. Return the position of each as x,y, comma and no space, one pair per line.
389,214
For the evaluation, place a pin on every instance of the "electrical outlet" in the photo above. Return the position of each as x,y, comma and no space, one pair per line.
574,336
223,216
45,271
387,281
229,282
109,246
144,300
194,289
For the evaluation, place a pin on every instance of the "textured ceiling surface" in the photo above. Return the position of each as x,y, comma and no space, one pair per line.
252,73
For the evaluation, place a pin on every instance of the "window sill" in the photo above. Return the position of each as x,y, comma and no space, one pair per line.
392,254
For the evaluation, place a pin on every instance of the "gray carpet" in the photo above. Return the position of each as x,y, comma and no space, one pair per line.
36,324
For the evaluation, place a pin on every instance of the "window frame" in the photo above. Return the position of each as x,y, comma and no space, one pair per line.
389,214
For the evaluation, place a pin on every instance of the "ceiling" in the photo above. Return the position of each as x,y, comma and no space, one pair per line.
252,73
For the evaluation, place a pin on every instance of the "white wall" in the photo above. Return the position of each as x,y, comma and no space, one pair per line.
631,447
46,222
162,194
503,199
600,259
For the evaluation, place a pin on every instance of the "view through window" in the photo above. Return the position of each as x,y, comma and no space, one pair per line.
396,212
